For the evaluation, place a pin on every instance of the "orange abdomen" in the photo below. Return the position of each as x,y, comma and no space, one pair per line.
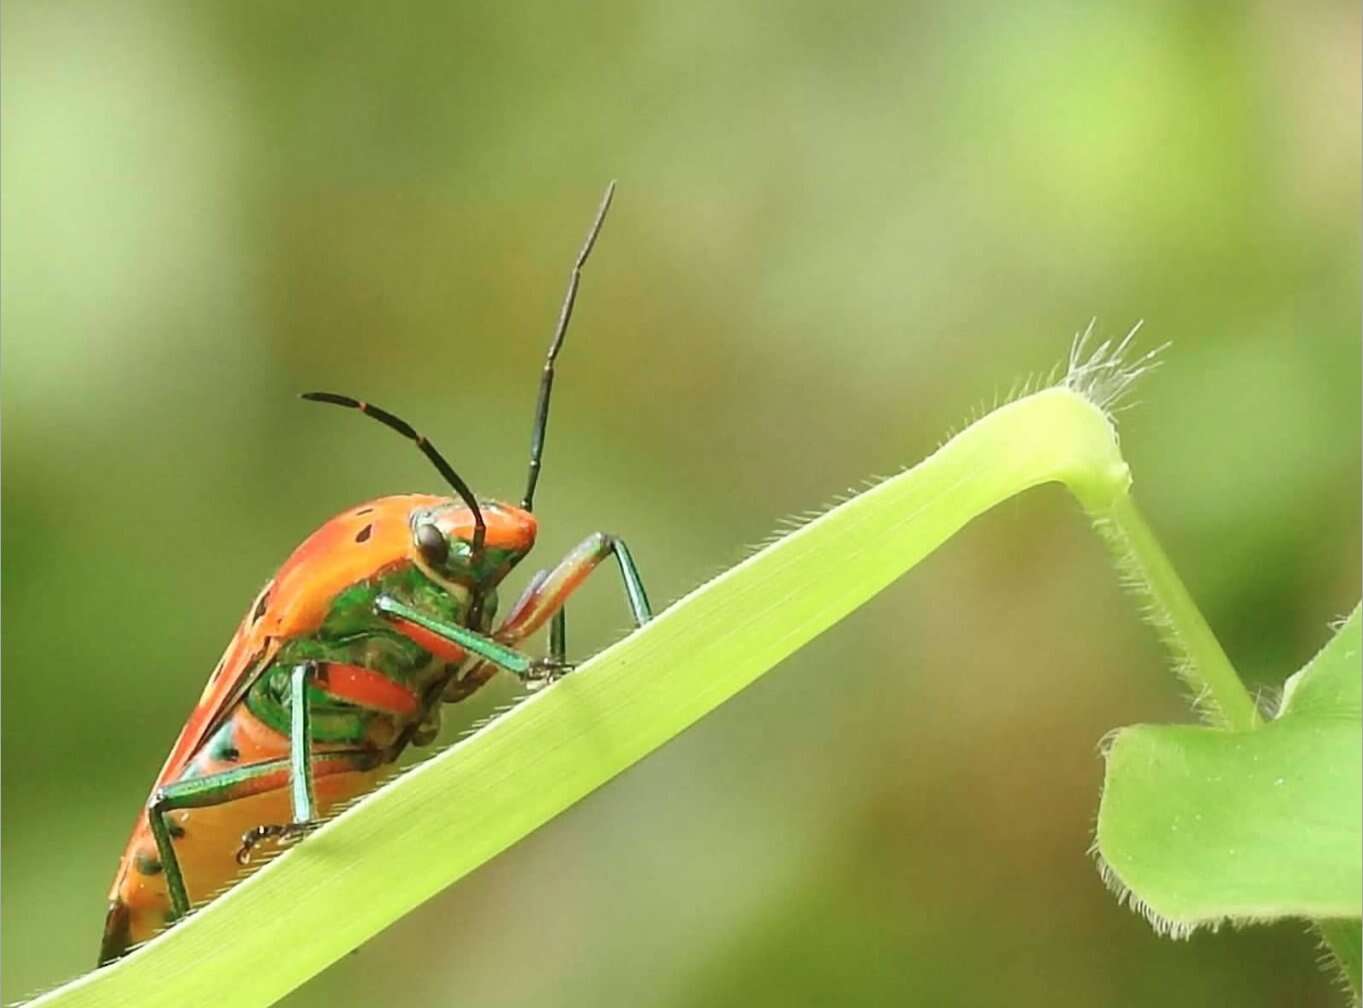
207,839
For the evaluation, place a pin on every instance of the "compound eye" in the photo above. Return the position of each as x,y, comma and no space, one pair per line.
434,547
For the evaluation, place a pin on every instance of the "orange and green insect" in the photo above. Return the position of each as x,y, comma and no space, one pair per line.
342,661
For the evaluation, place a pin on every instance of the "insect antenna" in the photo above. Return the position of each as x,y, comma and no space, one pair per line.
405,429
555,345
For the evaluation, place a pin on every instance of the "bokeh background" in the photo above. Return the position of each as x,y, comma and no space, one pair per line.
838,231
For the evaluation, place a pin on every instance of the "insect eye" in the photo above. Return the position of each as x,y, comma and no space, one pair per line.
434,547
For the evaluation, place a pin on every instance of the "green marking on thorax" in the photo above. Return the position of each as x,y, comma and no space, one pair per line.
353,633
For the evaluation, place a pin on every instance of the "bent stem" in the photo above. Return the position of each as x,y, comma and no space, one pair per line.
410,839
1217,690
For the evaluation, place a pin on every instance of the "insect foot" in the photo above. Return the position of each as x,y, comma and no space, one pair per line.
544,671
284,833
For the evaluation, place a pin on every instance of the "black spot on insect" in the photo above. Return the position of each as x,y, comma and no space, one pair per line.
146,864
175,830
363,534
363,511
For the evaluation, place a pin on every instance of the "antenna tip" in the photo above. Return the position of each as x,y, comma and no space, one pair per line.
333,398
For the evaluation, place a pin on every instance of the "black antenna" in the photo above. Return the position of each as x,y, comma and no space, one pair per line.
547,378
427,449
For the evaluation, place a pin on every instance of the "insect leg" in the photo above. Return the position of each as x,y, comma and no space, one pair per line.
558,636
354,684
227,786
544,598
405,618
300,744
300,766
546,595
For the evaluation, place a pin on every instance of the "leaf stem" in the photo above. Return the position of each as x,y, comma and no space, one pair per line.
1203,663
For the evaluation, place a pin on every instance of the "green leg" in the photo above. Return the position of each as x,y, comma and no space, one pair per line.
300,744
558,637
542,601
634,584
548,594
300,767
218,789
470,640
548,591
634,595
557,664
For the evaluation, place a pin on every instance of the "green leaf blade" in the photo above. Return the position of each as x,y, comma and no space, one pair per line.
417,835
1201,825
1329,685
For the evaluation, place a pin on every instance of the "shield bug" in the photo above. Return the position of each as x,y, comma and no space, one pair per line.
343,660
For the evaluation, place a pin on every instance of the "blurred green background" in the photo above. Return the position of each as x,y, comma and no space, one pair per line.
837,232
